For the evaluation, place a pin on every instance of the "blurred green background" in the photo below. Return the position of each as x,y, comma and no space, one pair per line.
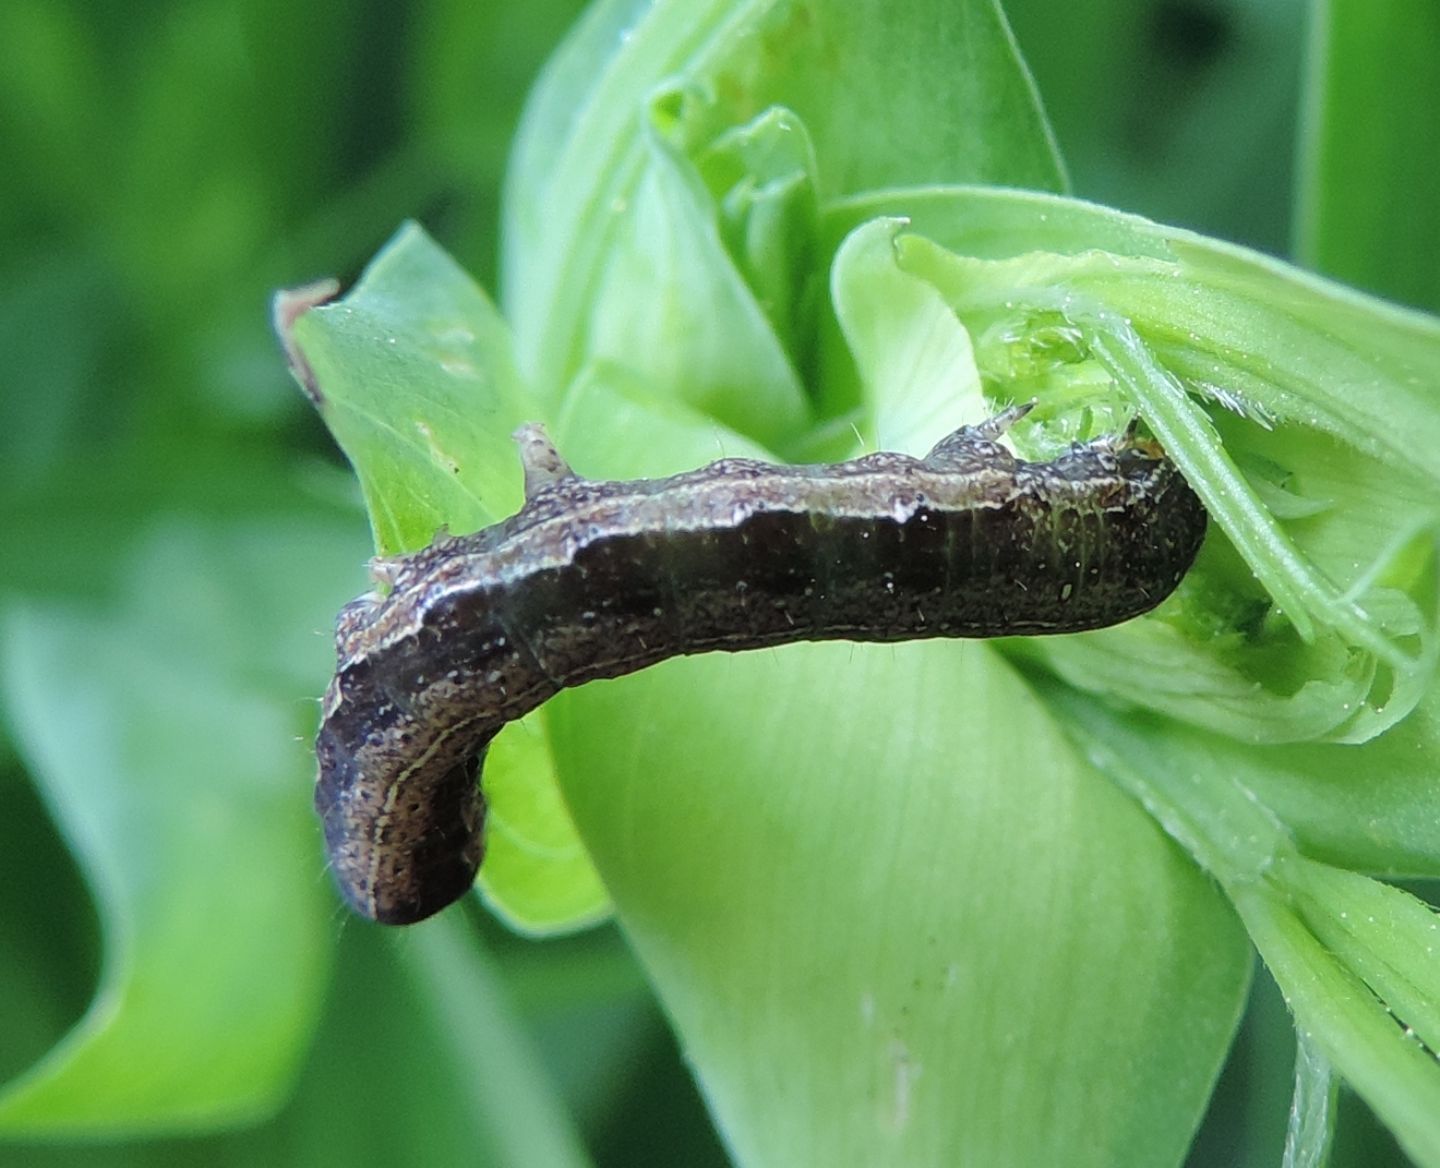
166,167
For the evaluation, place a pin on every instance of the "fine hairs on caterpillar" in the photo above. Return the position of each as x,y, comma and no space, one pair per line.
595,579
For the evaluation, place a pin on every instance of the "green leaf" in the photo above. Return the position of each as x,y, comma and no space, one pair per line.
1369,191
1312,1111
49,944
1337,430
1237,806
914,359
178,777
1388,937
942,930
1355,958
673,310
461,1002
412,372
414,375
584,155
1252,332
1336,1010
1372,807
615,427
420,1057
536,875
762,176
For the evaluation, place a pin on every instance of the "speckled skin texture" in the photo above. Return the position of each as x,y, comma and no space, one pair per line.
598,579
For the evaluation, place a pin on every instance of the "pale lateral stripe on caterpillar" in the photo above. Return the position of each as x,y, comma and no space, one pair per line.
595,579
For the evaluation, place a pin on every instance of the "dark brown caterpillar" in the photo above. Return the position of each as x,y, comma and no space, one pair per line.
599,579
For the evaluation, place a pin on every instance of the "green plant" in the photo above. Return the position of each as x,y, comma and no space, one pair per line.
917,904
707,202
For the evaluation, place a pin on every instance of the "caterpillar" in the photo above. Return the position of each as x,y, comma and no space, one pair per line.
595,579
